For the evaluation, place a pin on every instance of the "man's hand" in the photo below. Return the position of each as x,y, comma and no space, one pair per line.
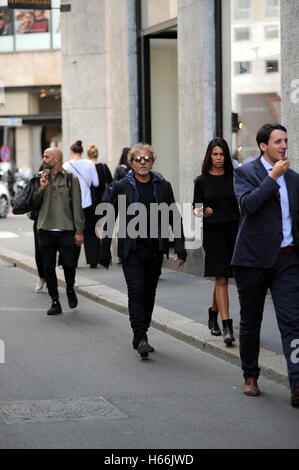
279,169
43,182
203,212
79,239
207,211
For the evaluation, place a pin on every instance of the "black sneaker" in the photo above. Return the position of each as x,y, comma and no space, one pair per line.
72,298
135,343
143,349
55,308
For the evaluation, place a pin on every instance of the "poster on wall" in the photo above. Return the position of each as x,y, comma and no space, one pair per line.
31,21
6,22
30,4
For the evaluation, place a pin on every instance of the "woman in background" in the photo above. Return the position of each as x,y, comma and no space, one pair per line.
214,189
123,166
104,174
105,178
86,172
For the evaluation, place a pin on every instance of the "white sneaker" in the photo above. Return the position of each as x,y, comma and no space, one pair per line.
40,286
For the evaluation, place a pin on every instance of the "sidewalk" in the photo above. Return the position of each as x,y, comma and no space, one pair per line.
181,309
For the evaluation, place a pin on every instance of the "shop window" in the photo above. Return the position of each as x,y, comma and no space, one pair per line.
29,30
29,24
6,30
251,73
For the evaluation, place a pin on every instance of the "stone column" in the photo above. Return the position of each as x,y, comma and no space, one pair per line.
99,76
84,96
196,64
197,99
289,11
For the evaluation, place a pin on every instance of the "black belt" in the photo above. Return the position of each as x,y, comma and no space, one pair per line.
286,249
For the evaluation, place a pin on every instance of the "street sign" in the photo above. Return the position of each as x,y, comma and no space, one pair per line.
5,153
11,122
30,4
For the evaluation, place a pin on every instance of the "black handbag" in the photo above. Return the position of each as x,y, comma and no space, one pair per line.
106,196
21,204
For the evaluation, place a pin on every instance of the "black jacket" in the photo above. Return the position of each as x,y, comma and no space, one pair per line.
163,194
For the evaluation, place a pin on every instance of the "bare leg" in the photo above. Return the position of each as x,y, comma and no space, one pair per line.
221,294
214,305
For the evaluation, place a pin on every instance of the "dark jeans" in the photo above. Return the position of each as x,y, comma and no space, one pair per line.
62,242
283,281
142,276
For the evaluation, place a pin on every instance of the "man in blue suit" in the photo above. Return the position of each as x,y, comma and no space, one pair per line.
266,254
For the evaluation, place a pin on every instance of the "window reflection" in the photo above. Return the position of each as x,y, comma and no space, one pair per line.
31,21
255,71
6,22
156,11
29,30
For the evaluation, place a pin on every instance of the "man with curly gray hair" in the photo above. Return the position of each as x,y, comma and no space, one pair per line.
142,252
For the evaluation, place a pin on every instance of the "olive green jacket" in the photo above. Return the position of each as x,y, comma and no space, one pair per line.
59,206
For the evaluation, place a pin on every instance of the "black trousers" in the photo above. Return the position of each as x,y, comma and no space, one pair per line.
92,244
142,276
283,281
64,243
38,255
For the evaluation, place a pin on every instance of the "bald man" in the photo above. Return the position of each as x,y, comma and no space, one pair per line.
60,224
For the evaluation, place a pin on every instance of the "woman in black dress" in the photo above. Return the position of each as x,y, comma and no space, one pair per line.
105,178
220,211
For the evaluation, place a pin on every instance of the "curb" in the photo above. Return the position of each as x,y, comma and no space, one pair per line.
272,365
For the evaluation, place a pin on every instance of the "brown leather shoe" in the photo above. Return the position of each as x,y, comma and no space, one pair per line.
295,397
251,388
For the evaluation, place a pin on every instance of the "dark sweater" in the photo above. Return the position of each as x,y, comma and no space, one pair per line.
217,192
146,247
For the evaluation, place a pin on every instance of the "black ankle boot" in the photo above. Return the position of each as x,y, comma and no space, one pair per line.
228,333
213,324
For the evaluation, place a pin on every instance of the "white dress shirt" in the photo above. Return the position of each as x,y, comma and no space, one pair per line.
285,207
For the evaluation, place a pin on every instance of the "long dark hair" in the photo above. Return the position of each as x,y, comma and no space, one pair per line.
207,163
124,157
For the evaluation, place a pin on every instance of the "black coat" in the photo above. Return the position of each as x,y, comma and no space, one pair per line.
163,194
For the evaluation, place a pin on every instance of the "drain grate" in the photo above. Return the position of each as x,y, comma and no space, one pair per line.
58,410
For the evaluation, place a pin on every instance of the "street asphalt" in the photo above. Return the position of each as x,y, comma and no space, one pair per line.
181,305
73,381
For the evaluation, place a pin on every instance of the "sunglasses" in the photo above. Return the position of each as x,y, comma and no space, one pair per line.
145,159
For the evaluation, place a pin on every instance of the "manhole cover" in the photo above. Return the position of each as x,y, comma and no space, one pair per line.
58,410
